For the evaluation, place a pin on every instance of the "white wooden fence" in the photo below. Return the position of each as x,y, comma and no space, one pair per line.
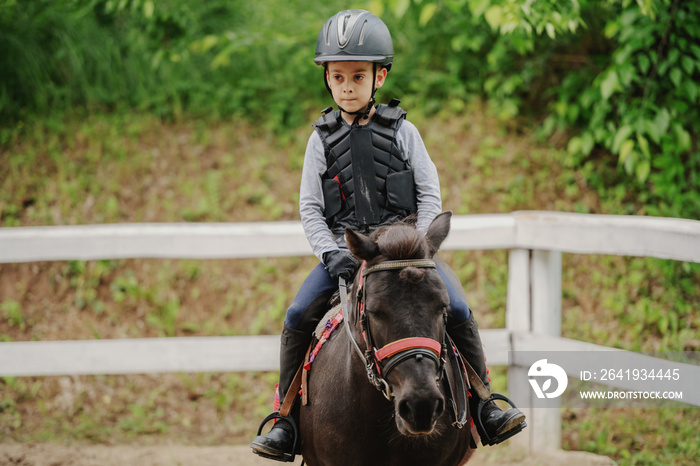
535,241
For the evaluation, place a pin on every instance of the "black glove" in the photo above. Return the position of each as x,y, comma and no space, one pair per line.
340,263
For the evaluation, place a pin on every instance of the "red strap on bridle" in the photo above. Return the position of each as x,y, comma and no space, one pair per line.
408,344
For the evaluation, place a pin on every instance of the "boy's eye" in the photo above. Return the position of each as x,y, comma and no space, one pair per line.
359,77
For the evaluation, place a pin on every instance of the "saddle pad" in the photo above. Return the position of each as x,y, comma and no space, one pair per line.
323,323
323,331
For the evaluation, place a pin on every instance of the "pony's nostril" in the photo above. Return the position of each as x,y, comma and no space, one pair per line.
405,411
439,408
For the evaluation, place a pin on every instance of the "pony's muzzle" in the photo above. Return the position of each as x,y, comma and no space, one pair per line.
419,415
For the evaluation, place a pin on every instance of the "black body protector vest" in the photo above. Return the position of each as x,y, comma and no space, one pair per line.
368,181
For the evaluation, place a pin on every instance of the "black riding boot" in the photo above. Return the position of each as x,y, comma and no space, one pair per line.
278,444
498,425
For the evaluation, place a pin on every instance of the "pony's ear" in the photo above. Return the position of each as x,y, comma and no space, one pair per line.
360,245
437,231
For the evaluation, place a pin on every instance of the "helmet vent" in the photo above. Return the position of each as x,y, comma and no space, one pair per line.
362,33
346,26
343,33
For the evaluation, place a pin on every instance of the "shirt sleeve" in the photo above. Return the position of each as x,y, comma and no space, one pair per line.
425,174
311,203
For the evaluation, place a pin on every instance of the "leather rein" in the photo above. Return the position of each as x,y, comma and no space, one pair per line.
380,362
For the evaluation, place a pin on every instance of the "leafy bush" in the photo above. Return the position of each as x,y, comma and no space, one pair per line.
641,103
216,58
622,76
57,54
497,50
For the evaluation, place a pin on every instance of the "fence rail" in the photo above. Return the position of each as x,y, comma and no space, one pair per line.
666,238
535,241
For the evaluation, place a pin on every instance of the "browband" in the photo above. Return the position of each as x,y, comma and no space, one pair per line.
390,265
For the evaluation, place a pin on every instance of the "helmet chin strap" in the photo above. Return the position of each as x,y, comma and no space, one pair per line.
361,114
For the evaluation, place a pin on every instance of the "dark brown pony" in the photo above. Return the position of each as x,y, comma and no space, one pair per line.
348,420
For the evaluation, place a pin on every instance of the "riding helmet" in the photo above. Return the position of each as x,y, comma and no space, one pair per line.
354,35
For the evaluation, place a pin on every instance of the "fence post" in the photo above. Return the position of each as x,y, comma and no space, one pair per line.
534,305
518,319
545,280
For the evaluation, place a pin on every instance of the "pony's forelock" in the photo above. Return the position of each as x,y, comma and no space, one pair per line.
412,275
401,242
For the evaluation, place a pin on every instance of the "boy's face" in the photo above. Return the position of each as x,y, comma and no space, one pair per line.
351,83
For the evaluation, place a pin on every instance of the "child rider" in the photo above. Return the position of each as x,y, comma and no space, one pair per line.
364,167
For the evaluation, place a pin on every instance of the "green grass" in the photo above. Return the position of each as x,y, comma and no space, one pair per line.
635,436
130,167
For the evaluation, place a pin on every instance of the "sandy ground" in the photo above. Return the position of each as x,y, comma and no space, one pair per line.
178,455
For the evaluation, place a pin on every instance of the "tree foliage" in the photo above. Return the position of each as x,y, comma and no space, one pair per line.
215,58
620,77
641,104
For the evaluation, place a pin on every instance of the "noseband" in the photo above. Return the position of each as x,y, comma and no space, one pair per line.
380,362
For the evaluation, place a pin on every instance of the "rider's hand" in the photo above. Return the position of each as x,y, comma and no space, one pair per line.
340,263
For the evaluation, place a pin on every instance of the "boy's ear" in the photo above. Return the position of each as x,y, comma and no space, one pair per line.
381,77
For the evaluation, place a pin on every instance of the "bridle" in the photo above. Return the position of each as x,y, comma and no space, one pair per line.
380,362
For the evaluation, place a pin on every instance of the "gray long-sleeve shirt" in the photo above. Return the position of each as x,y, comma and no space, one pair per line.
311,203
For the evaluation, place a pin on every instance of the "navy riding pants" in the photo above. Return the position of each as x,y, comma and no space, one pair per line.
320,285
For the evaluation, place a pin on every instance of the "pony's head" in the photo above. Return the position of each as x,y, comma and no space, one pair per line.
405,301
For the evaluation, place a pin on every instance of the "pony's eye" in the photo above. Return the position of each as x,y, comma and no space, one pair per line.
376,313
